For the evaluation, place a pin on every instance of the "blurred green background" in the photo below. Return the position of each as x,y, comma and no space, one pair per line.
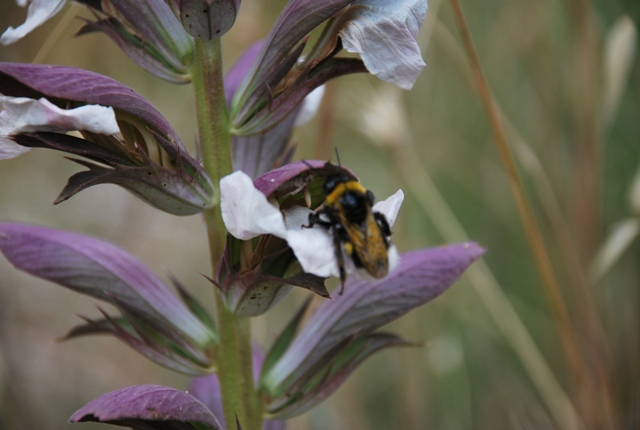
565,77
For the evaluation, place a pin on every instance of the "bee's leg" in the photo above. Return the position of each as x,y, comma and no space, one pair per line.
314,218
343,273
337,246
383,225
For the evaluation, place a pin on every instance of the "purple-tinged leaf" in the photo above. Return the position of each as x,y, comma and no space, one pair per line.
207,19
144,340
166,337
172,191
420,277
156,24
252,288
148,407
382,32
95,327
257,154
154,347
149,33
98,269
295,22
137,52
296,91
235,75
274,425
82,86
74,145
270,148
146,156
156,185
334,373
252,293
207,390
284,339
264,93
193,304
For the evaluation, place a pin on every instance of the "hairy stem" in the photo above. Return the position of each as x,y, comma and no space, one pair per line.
234,358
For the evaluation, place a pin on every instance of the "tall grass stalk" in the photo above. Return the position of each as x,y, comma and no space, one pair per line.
585,306
541,256
488,289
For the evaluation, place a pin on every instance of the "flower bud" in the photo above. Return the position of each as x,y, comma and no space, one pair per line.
207,19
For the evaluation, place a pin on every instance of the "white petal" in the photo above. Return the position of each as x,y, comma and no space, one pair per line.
383,33
313,247
39,12
246,211
310,106
394,257
390,207
24,115
296,217
10,149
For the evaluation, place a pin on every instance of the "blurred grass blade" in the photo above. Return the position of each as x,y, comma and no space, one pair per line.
619,54
620,238
551,287
490,293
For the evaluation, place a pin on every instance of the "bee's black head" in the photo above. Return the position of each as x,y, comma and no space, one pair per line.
333,181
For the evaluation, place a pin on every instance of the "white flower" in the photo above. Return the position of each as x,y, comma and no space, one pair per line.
39,12
247,213
25,115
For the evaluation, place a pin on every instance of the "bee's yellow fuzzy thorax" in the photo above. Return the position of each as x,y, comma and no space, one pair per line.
341,188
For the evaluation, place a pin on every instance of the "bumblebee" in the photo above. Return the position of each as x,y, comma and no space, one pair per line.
358,232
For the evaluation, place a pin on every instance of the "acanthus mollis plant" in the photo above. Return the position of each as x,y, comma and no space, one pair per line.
255,200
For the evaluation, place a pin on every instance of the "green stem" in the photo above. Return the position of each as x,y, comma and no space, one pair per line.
234,357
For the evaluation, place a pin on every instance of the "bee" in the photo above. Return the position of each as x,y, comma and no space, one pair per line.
358,232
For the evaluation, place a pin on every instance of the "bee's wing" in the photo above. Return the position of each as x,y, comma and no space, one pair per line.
369,245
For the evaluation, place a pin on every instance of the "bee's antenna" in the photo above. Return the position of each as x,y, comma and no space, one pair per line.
313,169
338,157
